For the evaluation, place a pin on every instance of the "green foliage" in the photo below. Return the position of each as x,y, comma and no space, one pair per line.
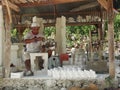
26,31
14,36
109,81
48,30
117,27
14,32
83,30
78,32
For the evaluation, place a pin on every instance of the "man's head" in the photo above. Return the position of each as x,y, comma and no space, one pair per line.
35,28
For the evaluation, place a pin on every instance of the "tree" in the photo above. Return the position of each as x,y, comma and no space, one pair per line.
77,32
48,30
14,36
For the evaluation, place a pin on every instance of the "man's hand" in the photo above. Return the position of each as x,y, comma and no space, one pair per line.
40,39
30,40
35,39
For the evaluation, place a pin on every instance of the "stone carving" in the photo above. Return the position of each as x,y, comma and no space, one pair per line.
39,64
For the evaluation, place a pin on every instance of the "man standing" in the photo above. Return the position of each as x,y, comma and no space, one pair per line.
33,41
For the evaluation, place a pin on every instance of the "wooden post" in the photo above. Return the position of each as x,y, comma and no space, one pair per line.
7,47
111,38
91,48
7,54
100,38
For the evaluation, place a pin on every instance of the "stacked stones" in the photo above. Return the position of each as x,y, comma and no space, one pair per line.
42,84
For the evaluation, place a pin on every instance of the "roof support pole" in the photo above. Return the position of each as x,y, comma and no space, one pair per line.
111,38
7,58
7,47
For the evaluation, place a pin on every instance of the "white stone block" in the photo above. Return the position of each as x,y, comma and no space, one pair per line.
1,71
17,75
14,56
45,63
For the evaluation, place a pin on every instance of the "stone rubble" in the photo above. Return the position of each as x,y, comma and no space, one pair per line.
42,84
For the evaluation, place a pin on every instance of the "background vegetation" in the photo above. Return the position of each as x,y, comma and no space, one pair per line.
75,33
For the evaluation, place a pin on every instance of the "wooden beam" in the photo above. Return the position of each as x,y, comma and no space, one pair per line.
64,1
115,11
8,22
86,6
16,1
22,1
7,59
64,13
31,0
11,5
8,11
45,2
111,38
104,3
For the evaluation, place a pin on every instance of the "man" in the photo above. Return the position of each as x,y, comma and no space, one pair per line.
33,42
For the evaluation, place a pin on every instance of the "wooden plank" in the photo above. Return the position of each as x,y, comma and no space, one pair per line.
68,24
22,1
30,1
105,4
86,6
64,1
111,38
63,13
16,1
12,1
45,2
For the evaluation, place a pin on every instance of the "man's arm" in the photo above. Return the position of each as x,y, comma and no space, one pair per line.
35,39
29,40
40,38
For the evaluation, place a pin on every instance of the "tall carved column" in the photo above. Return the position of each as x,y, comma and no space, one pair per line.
58,35
61,35
40,21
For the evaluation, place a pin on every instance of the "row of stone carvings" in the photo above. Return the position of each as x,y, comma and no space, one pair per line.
79,18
